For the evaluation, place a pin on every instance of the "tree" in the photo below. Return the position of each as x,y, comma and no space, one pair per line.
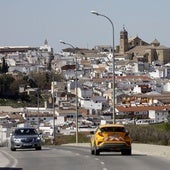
42,80
5,83
4,67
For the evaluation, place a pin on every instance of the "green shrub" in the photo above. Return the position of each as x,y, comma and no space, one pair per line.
151,134
64,139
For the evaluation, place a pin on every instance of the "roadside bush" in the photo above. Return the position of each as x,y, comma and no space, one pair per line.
151,134
64,139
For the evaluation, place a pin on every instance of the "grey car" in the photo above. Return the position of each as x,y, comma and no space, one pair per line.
26,137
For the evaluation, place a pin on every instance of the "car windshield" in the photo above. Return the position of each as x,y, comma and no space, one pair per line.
112,129
25,132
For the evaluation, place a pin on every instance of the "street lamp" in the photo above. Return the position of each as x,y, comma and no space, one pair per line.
38,108
113,63
74,49
53,103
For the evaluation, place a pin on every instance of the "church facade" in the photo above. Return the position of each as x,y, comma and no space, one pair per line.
147,52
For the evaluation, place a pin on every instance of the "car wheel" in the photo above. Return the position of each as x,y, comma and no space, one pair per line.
126,152
38,148
96,151
92,150
13,149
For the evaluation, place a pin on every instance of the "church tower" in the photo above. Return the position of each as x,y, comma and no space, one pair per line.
123,41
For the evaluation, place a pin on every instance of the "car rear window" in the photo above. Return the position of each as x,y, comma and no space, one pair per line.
25,132
112,129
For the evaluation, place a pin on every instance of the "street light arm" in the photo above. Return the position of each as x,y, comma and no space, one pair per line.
62,42
94,12
98,14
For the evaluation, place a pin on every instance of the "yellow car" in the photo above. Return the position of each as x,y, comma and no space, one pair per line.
110,137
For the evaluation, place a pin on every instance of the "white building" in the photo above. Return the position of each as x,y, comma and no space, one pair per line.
166,87
91,105
95,104
158,73
140,67
158,116
3,135
137,89
46,47
167,71
85,92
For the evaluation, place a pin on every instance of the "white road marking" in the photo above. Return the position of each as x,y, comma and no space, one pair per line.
7,161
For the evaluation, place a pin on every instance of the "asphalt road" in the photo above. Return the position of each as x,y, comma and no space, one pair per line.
78,157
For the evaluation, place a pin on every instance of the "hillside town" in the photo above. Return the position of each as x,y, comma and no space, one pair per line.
142,85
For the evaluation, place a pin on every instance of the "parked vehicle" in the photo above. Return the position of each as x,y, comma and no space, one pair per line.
26,137
110,137
145,121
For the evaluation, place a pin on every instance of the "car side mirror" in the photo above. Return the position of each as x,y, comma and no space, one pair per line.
127,133
40,134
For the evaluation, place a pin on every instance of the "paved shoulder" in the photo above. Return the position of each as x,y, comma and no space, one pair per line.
156,150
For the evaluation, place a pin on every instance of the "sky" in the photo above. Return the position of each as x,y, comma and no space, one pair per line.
30,22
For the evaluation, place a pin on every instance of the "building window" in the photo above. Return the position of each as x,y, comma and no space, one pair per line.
121,36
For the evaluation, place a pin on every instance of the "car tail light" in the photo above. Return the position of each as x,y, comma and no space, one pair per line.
129,143
126,134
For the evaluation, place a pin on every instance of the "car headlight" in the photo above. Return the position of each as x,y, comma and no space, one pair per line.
37,138
16,140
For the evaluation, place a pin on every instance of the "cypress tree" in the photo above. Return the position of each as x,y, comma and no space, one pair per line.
4,67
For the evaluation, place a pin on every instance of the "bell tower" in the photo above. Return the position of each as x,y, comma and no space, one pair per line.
123,41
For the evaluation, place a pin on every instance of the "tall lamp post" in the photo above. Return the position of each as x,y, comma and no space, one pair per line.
113,63
74,49
38,108
53,103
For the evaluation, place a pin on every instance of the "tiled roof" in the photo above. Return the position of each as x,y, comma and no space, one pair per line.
85,62
140,50
10,116
129,77
99,80
10,109
142,108
132,38
36,114
63,112
71,111
100,69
